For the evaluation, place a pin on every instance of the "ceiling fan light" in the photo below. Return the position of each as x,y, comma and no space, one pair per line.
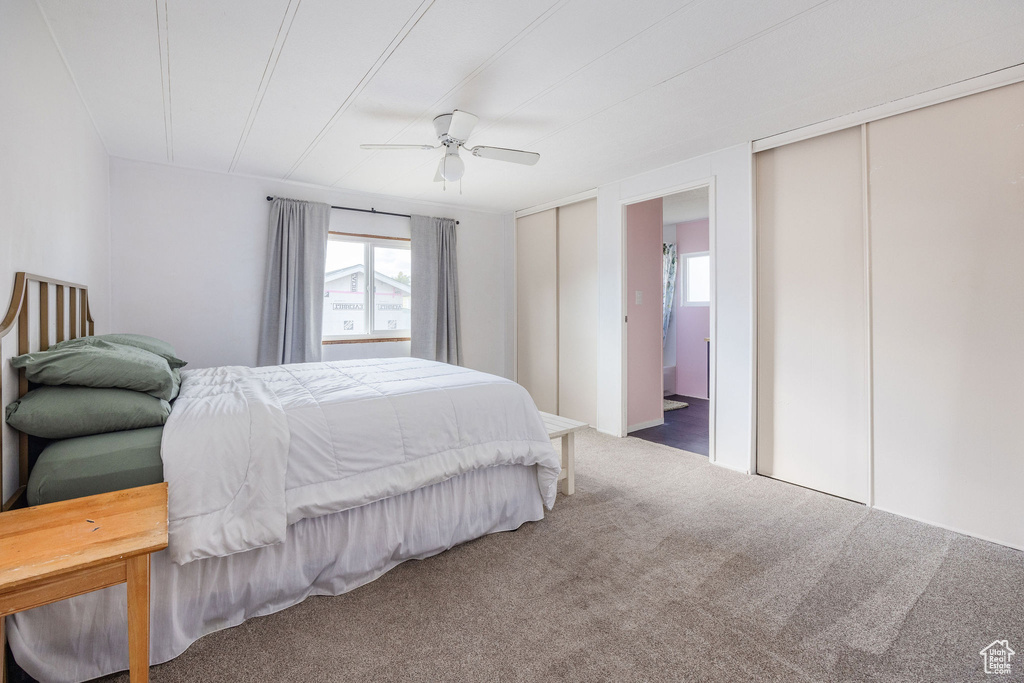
451,167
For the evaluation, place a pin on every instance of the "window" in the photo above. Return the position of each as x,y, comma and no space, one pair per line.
697,279
360,308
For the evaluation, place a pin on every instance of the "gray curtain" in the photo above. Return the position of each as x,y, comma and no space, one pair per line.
435,291
292,321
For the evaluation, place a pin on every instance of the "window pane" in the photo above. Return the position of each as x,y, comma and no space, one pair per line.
392,289
698,279
344,289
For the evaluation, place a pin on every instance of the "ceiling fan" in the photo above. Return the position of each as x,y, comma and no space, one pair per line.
452,132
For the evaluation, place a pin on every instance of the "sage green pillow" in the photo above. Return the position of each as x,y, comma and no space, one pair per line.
139,341
101,365
66,412
100,463
176,387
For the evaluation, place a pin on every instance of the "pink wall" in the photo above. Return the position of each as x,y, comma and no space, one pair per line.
693,323
643,330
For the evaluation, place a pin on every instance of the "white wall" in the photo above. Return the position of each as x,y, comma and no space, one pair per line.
189,251
53,179
733,366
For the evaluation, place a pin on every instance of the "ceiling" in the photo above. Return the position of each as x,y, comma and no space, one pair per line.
601,88
685,206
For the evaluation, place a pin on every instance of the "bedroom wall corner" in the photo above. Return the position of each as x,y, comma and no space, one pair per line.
54,178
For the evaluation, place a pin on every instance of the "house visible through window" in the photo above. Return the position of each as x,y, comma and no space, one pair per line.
697,279
358,307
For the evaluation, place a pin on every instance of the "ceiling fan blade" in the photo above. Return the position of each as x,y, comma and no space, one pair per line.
461,125
397,147
516,156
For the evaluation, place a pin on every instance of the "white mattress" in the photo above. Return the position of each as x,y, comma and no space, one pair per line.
297,441
86,637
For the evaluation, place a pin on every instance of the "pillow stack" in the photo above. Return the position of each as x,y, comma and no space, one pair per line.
105,400
95,385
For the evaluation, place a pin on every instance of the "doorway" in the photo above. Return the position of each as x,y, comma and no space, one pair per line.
669,319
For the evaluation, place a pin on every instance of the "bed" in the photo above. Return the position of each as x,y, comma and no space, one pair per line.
291,481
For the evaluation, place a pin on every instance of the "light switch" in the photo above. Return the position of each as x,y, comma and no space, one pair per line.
639,297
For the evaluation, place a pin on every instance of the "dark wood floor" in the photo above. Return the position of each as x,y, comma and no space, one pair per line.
686,428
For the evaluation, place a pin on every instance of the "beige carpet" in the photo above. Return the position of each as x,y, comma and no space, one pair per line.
662,567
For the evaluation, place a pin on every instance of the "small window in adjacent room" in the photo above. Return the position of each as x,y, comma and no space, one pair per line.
357,307
697,279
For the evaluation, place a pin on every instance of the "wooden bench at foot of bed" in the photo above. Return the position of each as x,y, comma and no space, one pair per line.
564,428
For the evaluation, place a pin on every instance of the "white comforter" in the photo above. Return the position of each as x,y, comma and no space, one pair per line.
249,451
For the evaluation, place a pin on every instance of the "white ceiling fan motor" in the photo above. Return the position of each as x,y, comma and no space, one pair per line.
453,130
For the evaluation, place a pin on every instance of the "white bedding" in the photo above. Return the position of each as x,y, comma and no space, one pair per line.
87,636
249,451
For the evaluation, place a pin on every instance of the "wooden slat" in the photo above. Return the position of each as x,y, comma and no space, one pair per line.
61,587
90,532
72,312
23,347
23,326
60,313
17,300
13,500
44,316
52,280
84,312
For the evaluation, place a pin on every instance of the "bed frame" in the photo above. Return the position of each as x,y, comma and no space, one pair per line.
72,319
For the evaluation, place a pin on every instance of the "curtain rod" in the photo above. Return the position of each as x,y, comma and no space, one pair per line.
370,210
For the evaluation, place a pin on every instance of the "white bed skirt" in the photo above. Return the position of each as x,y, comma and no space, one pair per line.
86,637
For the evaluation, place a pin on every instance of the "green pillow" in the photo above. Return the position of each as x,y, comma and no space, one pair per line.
176,387
100,364
100,463
65,412
139,341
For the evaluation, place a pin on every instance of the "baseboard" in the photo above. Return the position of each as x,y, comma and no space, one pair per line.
645,425
949,527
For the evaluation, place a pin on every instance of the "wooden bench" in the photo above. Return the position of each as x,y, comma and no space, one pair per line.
60,550
564,428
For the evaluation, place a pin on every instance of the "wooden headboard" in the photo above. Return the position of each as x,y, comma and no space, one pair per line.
72,319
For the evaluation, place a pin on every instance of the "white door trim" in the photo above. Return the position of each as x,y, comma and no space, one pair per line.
623,202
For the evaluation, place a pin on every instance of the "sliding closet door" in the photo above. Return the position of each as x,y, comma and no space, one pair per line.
537,307
812,408
947,232
577,309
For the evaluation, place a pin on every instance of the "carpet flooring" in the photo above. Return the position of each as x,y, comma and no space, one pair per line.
662,567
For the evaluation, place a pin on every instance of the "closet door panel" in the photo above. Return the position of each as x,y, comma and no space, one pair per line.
577,308
947,226
812,421
537,307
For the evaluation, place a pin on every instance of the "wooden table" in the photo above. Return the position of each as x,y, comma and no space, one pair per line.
57,551
565,428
